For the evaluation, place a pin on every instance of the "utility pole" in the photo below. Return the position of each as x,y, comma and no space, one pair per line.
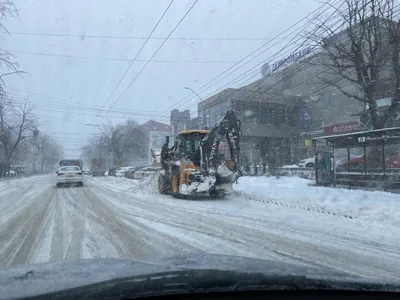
109,139
35,148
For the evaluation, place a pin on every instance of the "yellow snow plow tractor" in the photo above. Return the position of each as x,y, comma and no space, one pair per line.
195,165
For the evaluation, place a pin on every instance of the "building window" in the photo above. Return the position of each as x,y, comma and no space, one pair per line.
266,114
279,114
252,113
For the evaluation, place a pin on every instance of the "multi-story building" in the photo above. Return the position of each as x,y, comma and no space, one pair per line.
323,106
269,122
181,120
157,133
297,98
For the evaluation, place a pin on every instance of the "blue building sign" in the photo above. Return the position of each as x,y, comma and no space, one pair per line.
290,59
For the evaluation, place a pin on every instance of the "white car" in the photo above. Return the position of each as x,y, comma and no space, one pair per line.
121,171
145,172
310,163
307,163
69,175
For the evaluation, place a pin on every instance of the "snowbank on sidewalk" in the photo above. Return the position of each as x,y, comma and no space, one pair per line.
380,207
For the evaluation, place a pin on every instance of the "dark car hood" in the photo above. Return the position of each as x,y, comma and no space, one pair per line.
30,280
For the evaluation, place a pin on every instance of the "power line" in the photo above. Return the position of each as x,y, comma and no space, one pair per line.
154,54
256,72
294,72
62,102
68,107
301,68
244,58
136,56
257,91
123,58
84,36
129,116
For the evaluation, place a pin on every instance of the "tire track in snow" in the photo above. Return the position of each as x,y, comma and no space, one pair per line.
155,242
252,220
125,240
25,229
224,238
57,241
295,250
161,241
16,199
75,199
262,243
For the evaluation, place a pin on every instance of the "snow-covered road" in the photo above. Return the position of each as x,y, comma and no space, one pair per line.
121,218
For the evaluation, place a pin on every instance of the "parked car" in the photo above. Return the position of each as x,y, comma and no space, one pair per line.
113,171
121,171
310,163
145,172
307,163
131,173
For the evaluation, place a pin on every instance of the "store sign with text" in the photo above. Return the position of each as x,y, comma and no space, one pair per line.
342,128
334,129
290,59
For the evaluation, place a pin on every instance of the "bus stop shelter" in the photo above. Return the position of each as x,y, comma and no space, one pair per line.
370,158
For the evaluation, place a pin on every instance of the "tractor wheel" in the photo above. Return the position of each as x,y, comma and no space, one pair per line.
217,194
163,185
175,178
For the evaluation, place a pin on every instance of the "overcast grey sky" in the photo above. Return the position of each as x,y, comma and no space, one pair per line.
76,51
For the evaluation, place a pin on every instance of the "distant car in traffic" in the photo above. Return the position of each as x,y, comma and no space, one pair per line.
69,175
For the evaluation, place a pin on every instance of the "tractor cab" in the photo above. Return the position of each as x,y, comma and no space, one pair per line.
188,145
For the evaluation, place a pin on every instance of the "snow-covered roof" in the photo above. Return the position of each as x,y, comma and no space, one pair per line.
152,125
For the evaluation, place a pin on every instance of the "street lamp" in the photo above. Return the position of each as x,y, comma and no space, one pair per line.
109,141
97,125
194,92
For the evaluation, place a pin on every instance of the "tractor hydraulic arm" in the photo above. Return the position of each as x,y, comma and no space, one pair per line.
228,126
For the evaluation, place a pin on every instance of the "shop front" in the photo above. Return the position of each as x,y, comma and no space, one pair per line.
306,149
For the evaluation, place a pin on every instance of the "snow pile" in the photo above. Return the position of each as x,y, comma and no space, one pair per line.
295,192
144,186
148,185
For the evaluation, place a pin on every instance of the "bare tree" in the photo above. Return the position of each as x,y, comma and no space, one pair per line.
125,142
50,153
7,9
360,54
16,124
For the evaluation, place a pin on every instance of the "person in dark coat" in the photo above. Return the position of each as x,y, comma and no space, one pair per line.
164,156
